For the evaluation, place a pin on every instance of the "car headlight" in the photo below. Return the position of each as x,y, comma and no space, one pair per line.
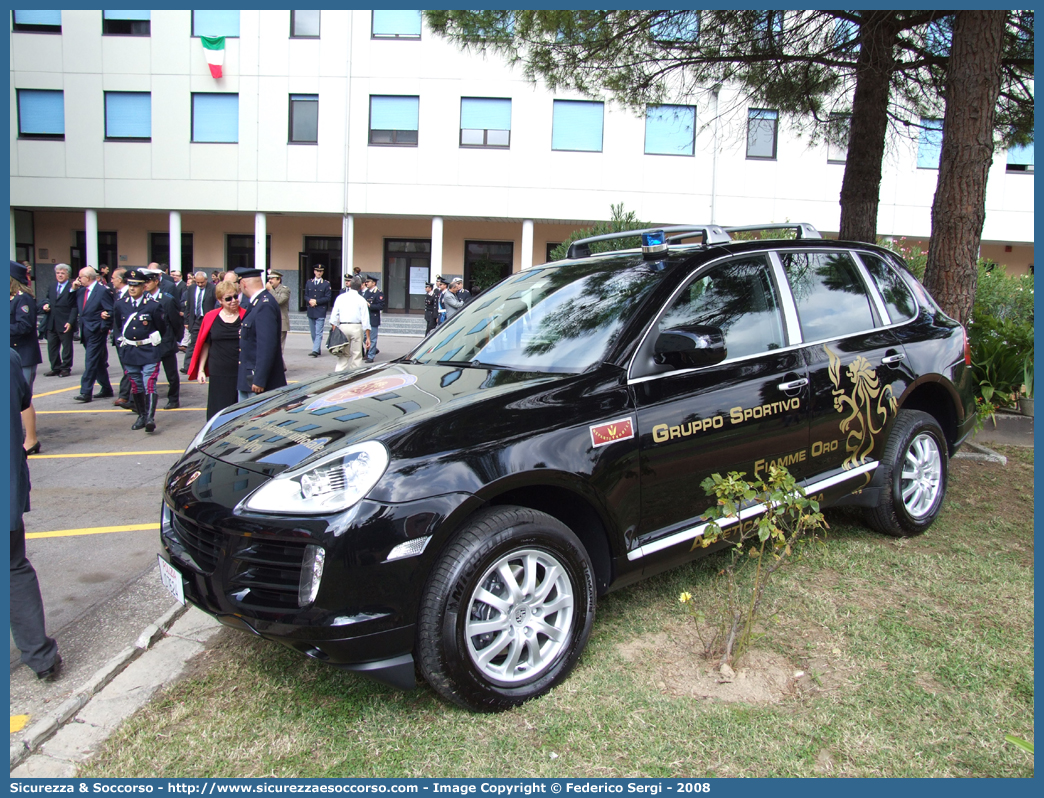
330,485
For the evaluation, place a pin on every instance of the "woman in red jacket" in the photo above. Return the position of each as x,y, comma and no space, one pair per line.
217,350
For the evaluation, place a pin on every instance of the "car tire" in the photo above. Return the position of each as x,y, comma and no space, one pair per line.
915,472
506,611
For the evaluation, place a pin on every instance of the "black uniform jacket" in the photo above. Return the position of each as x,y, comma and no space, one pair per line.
322,294
23,329
260,354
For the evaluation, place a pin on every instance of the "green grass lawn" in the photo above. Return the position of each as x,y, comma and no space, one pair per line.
880,657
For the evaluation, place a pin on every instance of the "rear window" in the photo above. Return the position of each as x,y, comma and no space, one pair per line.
832,300
896,294
560,319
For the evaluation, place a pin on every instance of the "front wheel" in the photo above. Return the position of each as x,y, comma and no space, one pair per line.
914,463
507,610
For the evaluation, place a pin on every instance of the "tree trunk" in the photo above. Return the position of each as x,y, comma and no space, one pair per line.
861,187
959,210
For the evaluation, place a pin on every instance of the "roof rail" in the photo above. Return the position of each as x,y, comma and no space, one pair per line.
712,234
803,229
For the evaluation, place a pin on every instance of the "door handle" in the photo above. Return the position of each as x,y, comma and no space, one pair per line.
887,361
789,386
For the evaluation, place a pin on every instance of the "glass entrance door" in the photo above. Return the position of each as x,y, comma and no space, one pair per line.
407,267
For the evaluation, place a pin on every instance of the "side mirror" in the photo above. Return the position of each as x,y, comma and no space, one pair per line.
692,346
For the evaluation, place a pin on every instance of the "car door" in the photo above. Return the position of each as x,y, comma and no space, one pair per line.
742,414
855,367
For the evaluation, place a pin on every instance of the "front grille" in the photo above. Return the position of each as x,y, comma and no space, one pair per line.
200,543
266,574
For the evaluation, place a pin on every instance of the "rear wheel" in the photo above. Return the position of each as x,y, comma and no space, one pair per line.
507,610
915,463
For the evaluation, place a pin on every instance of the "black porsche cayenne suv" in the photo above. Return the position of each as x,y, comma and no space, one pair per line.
461,509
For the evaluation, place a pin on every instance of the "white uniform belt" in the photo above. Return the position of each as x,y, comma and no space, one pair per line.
128,342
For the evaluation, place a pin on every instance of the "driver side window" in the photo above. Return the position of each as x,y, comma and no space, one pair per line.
738,297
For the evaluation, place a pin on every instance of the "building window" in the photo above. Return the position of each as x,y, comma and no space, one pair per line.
929,147
551,247
126,23
670,130
304,118
938,37
41,114
761,133
239,251
485,122
396,25
37,21
304,24
394,120
1020,158
846,35
108,251
215,23
159,252
128,115
837,138
576,125
486,263
676,27
215,118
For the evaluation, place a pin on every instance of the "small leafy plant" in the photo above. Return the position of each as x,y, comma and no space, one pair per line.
762,543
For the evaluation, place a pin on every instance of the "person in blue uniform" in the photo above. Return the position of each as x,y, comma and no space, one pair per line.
318,297
260,357
26,342
139,323
375,301
28,627
155,287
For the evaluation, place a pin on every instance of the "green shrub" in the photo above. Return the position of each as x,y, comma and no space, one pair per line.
619,223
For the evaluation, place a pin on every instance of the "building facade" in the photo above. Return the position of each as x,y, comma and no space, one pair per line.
358,138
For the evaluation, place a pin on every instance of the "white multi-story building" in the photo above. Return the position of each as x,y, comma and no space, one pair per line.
358,138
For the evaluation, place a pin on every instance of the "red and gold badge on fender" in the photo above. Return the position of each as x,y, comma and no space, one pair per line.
612,431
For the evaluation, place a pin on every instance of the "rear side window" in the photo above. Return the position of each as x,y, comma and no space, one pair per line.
739,298
897,297
831,298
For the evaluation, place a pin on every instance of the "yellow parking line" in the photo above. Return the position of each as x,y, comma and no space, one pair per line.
115,410
60,390
18,722
102,454
95,530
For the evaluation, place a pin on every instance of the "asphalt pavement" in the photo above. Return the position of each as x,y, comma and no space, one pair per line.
93,538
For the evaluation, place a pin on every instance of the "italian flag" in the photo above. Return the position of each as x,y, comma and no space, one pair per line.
214,50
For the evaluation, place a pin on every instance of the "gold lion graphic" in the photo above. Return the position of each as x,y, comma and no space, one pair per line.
868,403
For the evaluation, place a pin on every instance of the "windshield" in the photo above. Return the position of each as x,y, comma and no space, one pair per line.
560,319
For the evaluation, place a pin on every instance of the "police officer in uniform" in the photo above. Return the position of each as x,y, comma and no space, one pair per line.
318,297
175,329
140,323
260,357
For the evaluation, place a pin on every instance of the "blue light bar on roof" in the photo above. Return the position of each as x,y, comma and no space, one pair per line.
654,243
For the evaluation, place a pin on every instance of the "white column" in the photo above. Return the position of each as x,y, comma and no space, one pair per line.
175,244
436,248
347,244
91,234
260,229
527,243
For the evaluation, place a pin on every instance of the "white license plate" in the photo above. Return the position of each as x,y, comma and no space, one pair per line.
172,580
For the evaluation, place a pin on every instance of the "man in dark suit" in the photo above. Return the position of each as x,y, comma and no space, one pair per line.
168,348
199,301
318,297
260,358
60,307
166,283
93,311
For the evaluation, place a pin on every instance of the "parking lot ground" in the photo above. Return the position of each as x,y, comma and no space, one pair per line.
92,532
